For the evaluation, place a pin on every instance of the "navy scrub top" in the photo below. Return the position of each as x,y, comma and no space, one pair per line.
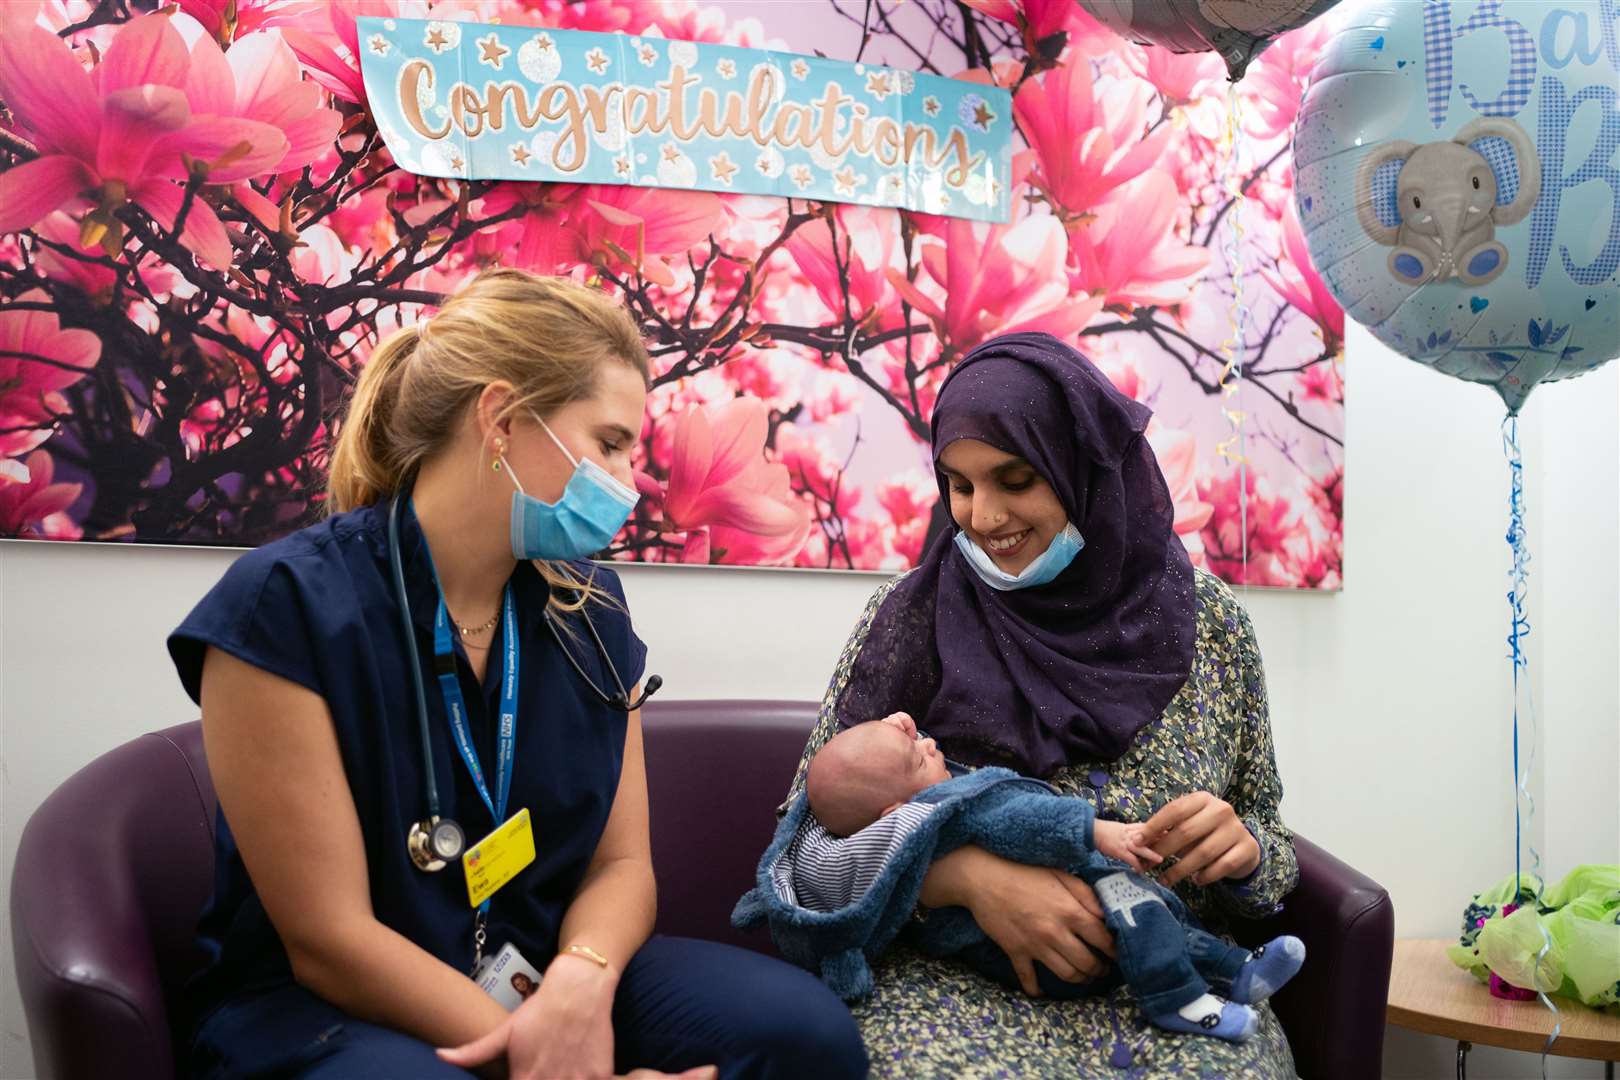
318,608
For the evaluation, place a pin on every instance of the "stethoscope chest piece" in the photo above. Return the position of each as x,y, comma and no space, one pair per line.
435,843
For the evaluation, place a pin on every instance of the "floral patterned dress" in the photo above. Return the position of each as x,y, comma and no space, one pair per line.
935,1020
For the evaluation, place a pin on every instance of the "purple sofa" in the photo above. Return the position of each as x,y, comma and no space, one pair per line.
114,867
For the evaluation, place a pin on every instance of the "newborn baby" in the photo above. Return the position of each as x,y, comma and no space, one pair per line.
865,773
1170,962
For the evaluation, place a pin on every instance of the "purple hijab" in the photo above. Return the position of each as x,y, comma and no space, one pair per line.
1036,678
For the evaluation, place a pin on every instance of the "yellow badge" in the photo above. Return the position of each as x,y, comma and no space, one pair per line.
497,858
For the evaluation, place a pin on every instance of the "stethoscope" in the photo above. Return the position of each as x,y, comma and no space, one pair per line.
436,841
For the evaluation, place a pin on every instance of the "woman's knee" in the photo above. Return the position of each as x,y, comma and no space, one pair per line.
817,1038
837,1040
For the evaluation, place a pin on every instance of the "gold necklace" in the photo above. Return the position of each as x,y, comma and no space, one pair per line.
469,631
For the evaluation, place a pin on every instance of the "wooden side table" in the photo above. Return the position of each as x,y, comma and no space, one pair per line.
1428,993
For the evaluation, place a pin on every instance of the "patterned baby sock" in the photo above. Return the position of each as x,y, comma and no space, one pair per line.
1268,968
1209,1015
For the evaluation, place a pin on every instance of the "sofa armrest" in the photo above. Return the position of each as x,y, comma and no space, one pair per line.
111,872
1333,1010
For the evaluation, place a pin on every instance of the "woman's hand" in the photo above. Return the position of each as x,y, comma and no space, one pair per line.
1206,837
563,1032
1034,914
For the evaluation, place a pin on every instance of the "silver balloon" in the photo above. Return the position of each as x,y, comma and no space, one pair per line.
1236,29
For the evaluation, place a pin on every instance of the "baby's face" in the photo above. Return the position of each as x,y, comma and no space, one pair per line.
869,770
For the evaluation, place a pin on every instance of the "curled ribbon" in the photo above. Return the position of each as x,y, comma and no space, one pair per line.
1230,379
1518,631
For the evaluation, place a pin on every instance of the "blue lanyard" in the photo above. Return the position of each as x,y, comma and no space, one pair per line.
456,706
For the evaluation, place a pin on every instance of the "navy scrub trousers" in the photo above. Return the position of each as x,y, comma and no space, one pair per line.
681,1003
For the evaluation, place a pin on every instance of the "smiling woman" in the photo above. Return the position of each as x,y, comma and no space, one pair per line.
1014,530
1117,672
1036,449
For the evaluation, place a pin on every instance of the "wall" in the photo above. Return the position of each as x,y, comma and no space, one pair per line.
1389,700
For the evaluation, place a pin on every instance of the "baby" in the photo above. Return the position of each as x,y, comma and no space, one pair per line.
1170,963
865,773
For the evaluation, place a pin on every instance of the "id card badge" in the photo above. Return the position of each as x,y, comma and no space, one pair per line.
507,977
497,858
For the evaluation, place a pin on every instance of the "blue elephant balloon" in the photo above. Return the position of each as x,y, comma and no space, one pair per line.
1457,173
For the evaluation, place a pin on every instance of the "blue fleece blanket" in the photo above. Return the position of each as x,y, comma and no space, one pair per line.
1012,816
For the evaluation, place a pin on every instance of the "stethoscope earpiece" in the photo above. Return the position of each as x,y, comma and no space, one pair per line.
620,700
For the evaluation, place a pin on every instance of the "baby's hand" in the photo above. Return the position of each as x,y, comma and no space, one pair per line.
903,721
1136,838
1124,842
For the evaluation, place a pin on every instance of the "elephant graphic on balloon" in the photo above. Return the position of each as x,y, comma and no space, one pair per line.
1438,205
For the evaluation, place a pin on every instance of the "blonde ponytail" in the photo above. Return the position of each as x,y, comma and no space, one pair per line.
548,337
367,460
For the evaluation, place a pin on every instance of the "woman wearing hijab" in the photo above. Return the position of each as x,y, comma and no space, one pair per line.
1061,630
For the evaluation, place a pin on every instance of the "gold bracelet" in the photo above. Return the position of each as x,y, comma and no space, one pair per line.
588,953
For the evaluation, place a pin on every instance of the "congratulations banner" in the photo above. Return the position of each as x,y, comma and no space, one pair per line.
490,102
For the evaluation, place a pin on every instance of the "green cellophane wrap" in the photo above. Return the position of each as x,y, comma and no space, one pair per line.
1564,940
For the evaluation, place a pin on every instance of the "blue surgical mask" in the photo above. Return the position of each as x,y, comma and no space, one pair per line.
593,508
1045,566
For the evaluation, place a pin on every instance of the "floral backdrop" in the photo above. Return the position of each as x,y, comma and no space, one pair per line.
203,239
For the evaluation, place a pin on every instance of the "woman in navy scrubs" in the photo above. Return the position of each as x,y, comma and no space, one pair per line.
497,437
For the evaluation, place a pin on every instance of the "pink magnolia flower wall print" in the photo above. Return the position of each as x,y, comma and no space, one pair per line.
203,238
